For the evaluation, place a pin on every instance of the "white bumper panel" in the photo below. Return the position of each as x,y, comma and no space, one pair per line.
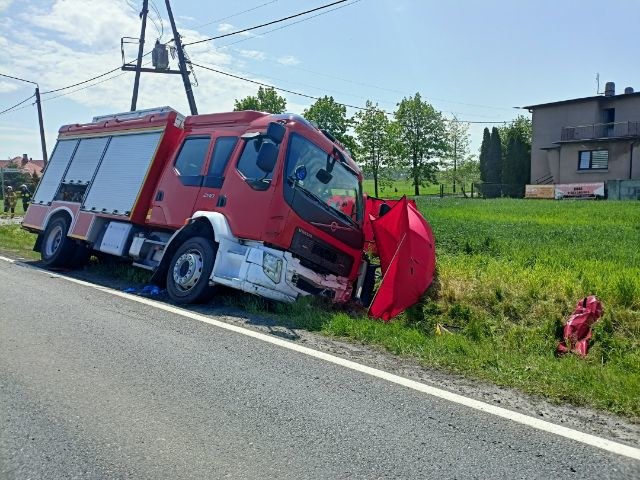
240,265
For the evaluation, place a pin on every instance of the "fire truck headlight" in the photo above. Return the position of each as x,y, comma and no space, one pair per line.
272,266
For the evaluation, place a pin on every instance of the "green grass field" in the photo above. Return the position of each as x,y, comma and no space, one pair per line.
18,212
398,189
509,272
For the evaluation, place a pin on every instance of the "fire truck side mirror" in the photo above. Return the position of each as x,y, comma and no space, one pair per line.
275,132
267,156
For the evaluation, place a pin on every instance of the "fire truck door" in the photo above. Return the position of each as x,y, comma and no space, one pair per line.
248,192
209,198
180,184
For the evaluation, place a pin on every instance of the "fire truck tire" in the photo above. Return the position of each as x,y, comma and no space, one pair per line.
57,249
190,269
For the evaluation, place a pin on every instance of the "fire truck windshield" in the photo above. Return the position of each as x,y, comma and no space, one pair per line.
338,188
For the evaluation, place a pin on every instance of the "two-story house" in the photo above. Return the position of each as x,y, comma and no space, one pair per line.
583,140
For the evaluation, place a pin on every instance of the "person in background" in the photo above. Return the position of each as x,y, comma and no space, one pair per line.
25,194
10,201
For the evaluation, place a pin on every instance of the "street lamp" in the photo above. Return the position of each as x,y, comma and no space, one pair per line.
43,143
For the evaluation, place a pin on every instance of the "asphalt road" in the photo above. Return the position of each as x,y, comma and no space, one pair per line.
96,386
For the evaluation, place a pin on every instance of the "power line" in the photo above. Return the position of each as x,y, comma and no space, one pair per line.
259,83
7,110
225,35
293,23
157,12
199,41
322,7
385,100
235,14
351,81
312,97
82,82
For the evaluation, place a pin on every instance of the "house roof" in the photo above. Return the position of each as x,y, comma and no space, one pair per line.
30,167
584,99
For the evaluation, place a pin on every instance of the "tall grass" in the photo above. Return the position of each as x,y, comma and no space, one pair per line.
509,273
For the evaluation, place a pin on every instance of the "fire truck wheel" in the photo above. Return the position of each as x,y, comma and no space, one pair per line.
190,269
57,249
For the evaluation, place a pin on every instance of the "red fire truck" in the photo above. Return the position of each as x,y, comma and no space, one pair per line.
263,203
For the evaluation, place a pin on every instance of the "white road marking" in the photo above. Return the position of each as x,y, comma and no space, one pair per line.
586,438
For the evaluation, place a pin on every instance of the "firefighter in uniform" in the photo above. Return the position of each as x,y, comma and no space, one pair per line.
10,201
25,194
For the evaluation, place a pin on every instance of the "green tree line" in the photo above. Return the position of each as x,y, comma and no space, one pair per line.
416,140
505,158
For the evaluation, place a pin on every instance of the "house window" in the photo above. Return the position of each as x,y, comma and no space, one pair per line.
593,160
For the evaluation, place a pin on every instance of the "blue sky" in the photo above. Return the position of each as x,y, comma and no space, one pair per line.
476,60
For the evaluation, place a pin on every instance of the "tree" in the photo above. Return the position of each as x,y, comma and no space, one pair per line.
267,100
458,138
331,116
493,166
516,161
484,154
422,139
372,130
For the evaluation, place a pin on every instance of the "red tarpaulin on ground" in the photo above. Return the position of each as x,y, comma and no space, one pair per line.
577,330
406,248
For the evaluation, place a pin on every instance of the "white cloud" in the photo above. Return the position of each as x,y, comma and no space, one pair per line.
253,54
225,28
49,50
288,60
4,4
99,23
6,87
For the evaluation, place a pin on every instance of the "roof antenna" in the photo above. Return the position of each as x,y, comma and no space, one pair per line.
598,92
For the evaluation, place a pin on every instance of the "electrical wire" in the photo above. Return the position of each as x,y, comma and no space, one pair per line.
199,41
244,30
82,82
7,110
292,23
312,97
351,81
157,12
235,14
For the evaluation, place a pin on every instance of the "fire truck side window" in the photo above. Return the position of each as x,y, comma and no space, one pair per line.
191,157
247,165
221,153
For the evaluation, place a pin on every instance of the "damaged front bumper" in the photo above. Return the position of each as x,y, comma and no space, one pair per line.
275,274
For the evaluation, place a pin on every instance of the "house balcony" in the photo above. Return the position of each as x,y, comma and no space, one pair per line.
598,131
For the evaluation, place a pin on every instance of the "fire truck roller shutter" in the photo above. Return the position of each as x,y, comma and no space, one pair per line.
55,170
121,173
85,161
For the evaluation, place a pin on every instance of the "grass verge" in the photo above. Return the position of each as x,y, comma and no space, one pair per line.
509,272
18,242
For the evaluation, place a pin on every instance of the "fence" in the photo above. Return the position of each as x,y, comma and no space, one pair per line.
497,190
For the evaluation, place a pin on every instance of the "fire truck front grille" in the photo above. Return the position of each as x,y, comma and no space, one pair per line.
321,256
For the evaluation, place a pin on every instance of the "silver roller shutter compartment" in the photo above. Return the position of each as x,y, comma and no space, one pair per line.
55,170
84,163
121,173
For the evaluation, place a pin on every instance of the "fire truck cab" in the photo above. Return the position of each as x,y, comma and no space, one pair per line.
263,203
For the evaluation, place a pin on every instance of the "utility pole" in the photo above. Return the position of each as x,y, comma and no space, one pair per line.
455,161
182,62
43,143
136,82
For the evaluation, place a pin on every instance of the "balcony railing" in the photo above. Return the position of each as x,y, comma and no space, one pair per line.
600,130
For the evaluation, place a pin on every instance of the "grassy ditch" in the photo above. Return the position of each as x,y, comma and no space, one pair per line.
509,272
17,242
